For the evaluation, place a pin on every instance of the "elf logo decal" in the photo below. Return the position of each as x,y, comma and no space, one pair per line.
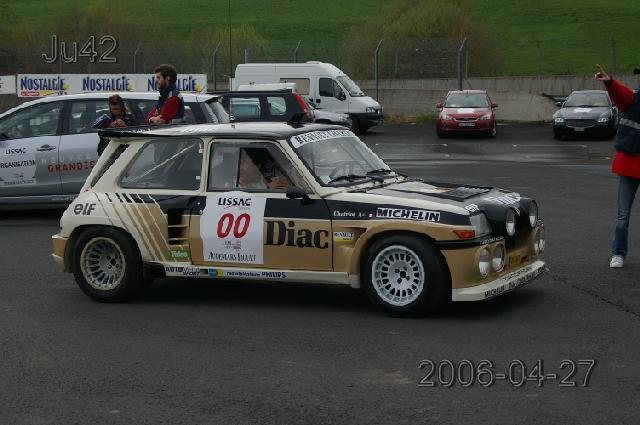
84,209
281,233
402,214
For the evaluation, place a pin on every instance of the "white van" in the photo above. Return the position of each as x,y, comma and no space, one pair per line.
322,83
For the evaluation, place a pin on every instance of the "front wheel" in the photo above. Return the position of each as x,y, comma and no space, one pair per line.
108,266
406,276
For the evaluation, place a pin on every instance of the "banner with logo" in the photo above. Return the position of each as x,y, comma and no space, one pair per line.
7,84
40,85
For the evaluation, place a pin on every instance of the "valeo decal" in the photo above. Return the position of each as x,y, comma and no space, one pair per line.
180,254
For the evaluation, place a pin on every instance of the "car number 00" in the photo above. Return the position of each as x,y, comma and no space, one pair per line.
240,225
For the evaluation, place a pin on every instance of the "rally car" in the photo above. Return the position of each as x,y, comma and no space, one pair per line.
281,202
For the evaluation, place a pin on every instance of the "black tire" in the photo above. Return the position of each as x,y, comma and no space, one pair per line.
435,291
106,249
494,130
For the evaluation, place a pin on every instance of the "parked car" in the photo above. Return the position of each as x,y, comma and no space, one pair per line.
467,111
322,116
282,105
48,146
586,111
201,202
322,83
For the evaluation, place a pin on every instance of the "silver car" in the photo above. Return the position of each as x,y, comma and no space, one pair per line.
48,146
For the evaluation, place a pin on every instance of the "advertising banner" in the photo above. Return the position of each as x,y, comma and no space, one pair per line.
7,84
40,85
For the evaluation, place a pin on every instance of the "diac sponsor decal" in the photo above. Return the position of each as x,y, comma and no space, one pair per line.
280,233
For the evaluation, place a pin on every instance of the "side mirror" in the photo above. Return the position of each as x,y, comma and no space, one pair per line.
559,104
438,105
341,96
295,192
494,105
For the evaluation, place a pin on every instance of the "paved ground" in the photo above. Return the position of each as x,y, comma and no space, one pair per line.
193,352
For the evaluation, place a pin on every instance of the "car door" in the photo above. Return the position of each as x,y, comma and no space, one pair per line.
29,143
78,152
330,95
246,222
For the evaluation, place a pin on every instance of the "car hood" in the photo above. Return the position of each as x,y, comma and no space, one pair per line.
467,112
434,202
591,112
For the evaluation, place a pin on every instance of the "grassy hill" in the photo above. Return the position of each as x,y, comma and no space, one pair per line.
571,36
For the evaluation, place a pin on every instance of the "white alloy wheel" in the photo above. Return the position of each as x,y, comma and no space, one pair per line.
398,275
102,263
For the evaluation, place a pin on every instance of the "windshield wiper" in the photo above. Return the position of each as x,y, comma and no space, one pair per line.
380,171
348,177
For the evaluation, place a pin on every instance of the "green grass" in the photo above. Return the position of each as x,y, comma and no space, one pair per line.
573,35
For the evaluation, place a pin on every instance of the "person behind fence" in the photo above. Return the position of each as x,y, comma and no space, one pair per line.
118,116
170,106
626,162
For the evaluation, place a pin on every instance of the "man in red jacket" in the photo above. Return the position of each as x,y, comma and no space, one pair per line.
626,162
170,106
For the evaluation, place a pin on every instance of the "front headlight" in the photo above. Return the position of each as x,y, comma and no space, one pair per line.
446,117
486,116
558,120
370,109
497,262
510,222
480,224
533,213
603,119
484,261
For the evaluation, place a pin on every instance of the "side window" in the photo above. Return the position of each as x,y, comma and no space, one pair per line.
302,84
244,107
189,115
141,107
84,115
251,167
277,105
38,120
337,90
326,87
169,163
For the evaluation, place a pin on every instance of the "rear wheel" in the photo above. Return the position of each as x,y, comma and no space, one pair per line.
406,276
108,266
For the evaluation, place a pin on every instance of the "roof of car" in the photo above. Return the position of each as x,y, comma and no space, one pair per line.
590,91
467,91
263,130
189,97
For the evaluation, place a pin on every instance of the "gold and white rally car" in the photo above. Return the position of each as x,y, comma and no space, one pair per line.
280,202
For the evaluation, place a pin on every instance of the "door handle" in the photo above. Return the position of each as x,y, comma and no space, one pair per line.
45,148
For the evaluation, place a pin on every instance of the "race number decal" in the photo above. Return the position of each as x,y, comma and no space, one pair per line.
17,166
231,228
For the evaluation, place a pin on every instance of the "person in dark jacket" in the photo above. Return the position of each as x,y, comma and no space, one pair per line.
626,162
117,117
170,106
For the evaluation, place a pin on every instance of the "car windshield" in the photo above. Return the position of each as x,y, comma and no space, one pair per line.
339,158
466,100
351,87
587,99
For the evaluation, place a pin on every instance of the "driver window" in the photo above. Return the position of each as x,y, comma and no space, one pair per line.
35,121
251,167
337,90
326,87
166,164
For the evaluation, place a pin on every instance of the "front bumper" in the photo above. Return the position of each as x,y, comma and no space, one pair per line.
479,126
59,249
500,285
369,119
599,128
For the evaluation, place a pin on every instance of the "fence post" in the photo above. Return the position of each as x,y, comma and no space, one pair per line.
135,54
460,63
246,55
538,56
375,67
295,52
214,60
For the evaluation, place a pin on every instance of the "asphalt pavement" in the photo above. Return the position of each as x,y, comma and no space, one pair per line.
197,352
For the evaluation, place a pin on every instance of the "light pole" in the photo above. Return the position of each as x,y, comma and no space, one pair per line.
295,52
375,66
135,53
460,63
230,54
213,65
